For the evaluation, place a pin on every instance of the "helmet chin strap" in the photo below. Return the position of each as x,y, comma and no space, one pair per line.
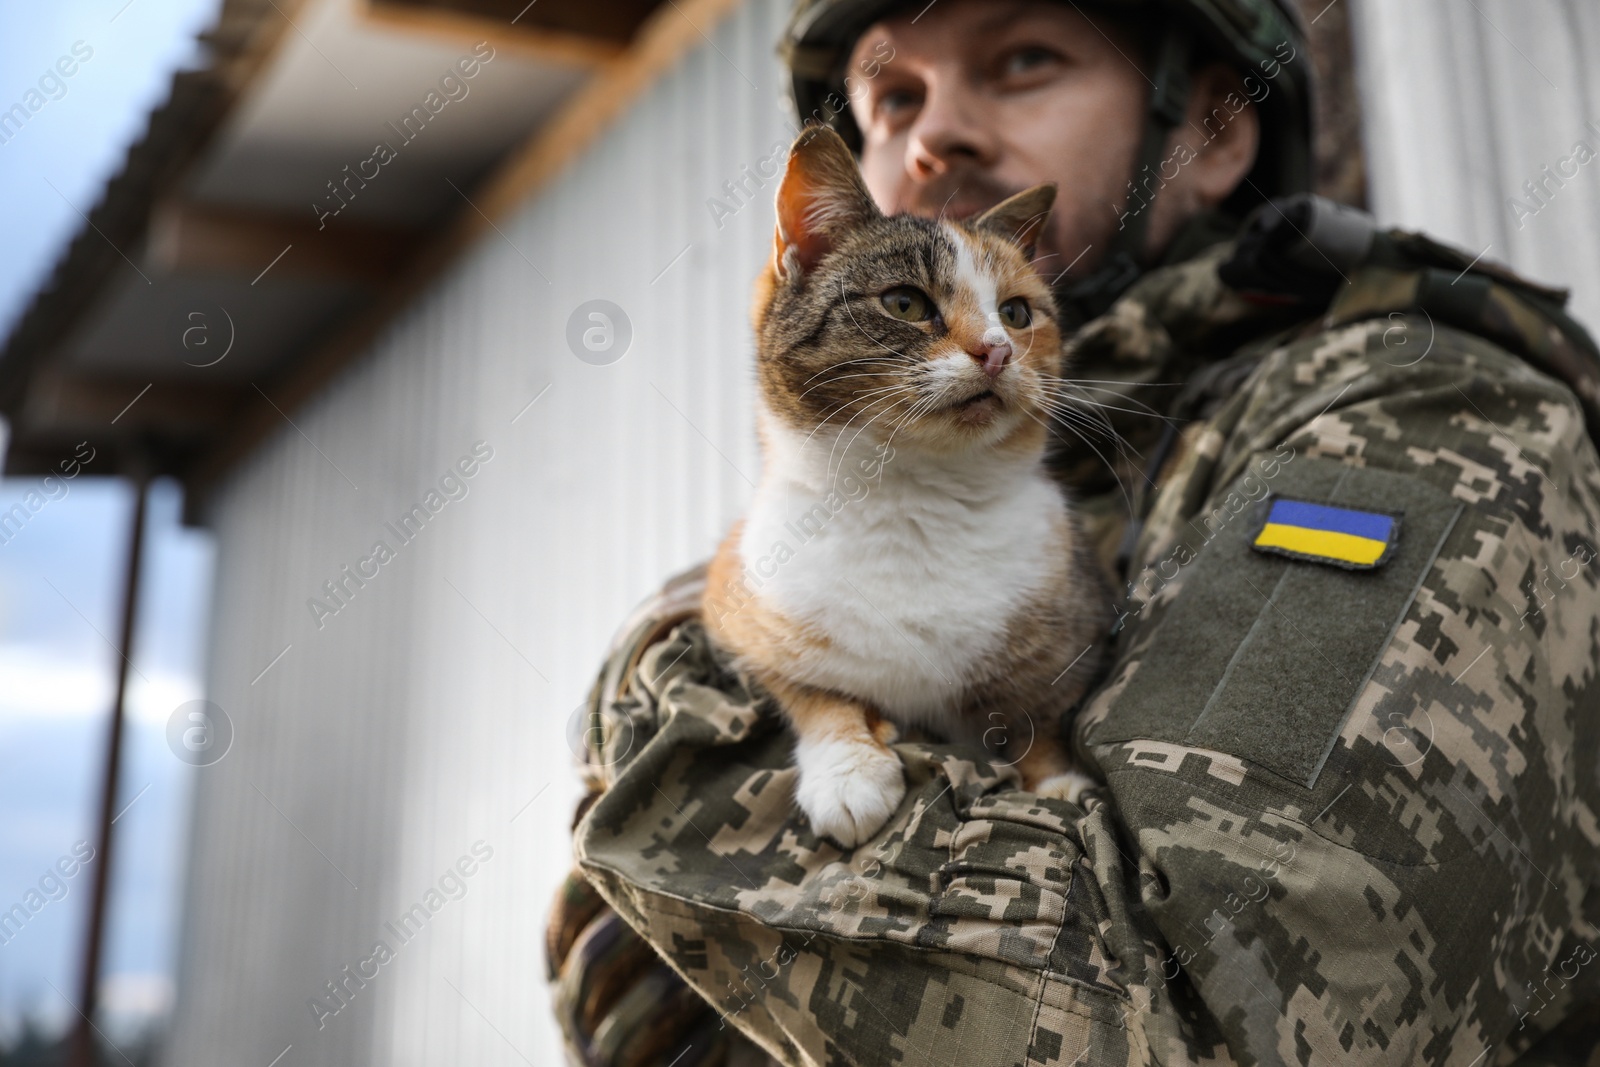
1125,261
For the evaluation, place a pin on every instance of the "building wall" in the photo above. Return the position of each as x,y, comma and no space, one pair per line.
1465,103
432,712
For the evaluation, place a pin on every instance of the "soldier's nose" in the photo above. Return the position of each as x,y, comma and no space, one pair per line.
992,352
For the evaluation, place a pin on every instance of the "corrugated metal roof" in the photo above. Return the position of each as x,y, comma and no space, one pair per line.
245,33
228,177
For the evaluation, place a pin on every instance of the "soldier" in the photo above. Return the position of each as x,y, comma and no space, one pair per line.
1347,737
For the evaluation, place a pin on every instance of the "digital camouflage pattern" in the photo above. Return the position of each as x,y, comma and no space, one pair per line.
1349,817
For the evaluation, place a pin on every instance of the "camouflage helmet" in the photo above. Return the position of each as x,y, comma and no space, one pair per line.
1252,35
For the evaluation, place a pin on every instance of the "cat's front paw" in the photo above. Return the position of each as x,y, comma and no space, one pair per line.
849,789
1068,785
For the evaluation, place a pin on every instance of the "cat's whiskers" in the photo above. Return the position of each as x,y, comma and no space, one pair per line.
1070,405
1066,391
1085,382
918,408
874,358
1086,408
946,206
845,405
840,378
1064,401
1126,496
1118,381
829,467
841,407
1069,412
1130,456
1070,408
1129,462
1089,386
864,427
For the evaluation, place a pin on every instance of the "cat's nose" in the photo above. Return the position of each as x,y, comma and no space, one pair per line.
992,352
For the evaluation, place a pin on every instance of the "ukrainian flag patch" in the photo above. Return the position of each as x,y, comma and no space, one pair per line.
1322,533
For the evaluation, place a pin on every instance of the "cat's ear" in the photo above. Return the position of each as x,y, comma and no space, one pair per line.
820,199
1020,218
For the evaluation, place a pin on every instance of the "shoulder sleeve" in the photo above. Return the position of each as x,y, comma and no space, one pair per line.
1354,722
1353,824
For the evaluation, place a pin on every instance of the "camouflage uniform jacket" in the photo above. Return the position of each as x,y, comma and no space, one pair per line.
1350,816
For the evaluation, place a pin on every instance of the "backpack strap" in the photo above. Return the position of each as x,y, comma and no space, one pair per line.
1306,250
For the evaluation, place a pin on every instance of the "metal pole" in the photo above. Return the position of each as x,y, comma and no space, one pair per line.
82,1050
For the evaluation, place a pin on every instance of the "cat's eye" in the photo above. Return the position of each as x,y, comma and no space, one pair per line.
1015,313
908,304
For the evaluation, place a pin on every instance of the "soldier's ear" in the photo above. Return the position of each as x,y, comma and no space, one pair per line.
1021,218
821,198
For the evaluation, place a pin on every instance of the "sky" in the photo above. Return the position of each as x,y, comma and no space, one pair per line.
61,575
61,578
57,164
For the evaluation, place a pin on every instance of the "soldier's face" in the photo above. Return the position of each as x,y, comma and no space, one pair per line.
978,100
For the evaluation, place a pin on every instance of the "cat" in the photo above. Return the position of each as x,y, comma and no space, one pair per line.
948,586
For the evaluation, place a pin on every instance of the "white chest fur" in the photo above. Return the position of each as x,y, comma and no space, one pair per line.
913,574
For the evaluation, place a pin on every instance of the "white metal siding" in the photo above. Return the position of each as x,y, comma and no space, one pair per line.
416,721
1463,103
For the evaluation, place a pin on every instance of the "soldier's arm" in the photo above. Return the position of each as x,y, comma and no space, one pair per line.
1370,856
1365,800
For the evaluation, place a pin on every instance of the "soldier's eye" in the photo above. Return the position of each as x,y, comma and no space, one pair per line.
895,102
1029,59
1015,313
908,304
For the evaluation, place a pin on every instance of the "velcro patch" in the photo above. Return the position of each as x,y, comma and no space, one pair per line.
1321,533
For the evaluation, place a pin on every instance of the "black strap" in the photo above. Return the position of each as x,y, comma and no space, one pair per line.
1300,248
1125,260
